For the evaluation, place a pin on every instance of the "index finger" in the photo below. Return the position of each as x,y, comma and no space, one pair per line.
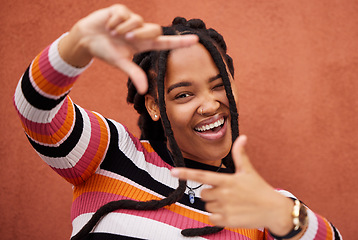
162,42
201,176
171,42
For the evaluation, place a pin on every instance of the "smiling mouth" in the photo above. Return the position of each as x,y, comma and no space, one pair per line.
211,127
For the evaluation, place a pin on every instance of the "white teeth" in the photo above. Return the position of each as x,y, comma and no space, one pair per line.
211,126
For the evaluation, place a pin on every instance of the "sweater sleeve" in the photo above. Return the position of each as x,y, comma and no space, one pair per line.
319,228
70,139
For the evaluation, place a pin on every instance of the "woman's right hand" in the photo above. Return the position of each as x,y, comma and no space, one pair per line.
114,35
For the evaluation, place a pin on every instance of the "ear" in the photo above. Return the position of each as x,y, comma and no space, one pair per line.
152,107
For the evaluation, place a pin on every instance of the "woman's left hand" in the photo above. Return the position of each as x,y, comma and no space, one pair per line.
243,199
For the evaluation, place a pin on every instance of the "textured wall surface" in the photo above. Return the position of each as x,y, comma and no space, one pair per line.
296,68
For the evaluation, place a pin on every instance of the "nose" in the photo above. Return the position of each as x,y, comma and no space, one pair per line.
209,105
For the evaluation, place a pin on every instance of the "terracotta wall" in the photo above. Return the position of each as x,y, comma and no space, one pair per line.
296,68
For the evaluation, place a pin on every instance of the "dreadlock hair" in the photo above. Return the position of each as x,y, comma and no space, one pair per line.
154,64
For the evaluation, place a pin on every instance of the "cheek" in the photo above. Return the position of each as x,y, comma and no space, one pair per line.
180,116
221,96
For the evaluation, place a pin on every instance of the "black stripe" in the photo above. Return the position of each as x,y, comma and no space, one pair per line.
161,149
34,98
106,236
117,162
336,234
66,147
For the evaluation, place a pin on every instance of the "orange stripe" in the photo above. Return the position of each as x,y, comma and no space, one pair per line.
100,183
147,146
43,83
97,158
60,133
328,227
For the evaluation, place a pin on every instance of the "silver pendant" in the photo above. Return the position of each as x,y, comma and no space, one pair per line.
191,196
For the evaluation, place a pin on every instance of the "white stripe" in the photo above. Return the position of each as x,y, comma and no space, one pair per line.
59,142
312,227
59,64
63,139
38,89
77,152
32,113
136,185
108,134
160,174
340,236
133,226
286,193
127,180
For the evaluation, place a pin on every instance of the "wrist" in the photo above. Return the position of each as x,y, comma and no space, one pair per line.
298,221
281,220
73,50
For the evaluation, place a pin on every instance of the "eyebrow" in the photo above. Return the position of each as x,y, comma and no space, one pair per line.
214,78
187,84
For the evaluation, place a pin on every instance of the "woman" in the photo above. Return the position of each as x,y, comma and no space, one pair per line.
127,188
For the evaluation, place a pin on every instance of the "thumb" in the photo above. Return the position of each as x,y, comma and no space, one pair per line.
136,74
239,156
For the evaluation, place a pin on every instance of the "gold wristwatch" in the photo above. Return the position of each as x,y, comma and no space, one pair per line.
299,215
299,220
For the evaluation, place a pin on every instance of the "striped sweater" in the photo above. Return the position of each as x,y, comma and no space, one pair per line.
105,162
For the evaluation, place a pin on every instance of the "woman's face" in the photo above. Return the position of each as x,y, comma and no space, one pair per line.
197,106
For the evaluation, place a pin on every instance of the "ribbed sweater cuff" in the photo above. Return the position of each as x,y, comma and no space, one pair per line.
313,231
60,65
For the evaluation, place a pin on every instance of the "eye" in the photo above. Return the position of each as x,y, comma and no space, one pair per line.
182,95
219,86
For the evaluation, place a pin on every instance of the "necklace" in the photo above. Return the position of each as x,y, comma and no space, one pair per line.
191,190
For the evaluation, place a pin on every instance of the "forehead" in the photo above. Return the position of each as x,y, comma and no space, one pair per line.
191,63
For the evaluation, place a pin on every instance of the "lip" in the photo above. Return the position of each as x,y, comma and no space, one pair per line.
209,135
210,120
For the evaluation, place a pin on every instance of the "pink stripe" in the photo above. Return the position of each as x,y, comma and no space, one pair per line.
89,154
153,158
69,173
90,202
57,79
268,236
47,128
150,157
322,229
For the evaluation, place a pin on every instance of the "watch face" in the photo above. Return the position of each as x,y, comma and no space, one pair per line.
303,215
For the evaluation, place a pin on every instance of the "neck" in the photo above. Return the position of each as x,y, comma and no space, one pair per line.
215,163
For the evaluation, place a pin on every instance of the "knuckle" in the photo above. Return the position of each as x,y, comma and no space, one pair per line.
120,7
225,181
200,176
120,10
209,207
183,175
157,28
204,194
225,192
137,18
207,195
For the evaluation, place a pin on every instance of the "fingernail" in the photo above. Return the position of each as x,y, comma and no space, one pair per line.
113,33
243,139
174,172
129,35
